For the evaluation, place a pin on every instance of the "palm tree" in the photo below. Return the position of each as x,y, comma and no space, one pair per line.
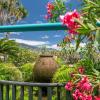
11,11
8,48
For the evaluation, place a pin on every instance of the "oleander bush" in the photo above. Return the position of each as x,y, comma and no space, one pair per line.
90,58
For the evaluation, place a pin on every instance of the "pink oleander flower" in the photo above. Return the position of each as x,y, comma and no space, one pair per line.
81,70
87,97
50,15
84,84
46,17
77,94
69,20
97,98
50,6
69,86
86,87
49,11
82,81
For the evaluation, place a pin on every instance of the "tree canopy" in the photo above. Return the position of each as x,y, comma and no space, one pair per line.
11,11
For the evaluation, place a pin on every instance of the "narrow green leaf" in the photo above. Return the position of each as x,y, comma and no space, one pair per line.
97,36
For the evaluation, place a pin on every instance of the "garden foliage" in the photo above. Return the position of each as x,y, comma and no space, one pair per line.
82,28
9,72
27,71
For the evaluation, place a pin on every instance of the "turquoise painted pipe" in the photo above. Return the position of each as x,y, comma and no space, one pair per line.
33,27
98,23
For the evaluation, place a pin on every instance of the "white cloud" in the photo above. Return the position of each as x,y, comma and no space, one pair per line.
45,37
54,46
31,42
56,36
62,0
16,33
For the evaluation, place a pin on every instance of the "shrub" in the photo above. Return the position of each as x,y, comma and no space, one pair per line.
9,72
63,74
25,56
90,59
27,70
69,55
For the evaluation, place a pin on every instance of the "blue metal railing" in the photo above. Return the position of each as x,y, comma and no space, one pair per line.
98,23
33,27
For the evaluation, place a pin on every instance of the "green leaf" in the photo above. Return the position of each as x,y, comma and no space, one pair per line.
91,26
83,30
81,23
78,41
97,36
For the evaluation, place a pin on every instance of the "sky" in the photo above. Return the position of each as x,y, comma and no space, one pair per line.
36,11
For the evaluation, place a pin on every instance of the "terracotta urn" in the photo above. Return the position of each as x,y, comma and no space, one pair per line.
44,68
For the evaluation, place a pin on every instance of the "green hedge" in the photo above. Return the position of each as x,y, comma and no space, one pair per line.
9,72
27,71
